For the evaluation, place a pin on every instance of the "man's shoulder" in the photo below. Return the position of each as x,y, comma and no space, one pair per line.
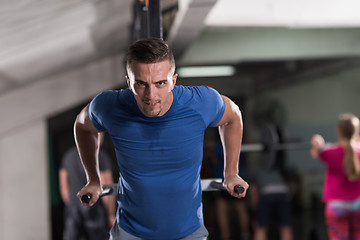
204,100
187,93
114,93
191,88
110,97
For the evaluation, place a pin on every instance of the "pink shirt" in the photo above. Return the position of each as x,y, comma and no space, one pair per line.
336,185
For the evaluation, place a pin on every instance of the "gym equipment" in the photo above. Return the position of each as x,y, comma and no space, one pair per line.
213,184
108,189
270,143
217,185
147,20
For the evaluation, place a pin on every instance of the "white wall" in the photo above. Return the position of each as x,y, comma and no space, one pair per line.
24,187
24,192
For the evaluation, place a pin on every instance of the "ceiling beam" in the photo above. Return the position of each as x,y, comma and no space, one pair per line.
188,24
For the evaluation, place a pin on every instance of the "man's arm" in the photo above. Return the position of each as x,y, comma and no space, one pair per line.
87,142
109,201
64,185
231,130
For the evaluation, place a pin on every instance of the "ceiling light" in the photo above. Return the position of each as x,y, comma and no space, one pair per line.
206,71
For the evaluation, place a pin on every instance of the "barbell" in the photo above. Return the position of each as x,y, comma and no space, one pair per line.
270,143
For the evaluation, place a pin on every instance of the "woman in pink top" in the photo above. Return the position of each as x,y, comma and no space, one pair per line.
342,183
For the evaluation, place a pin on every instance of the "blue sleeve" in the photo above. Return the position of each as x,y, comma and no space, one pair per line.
212,105
100,110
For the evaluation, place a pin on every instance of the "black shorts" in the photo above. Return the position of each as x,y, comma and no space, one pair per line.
273,208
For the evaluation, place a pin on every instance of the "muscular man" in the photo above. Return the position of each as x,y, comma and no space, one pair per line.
157,130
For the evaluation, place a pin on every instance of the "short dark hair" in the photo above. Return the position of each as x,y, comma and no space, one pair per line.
149,50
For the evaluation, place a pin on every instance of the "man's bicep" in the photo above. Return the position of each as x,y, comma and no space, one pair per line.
83,121
231,113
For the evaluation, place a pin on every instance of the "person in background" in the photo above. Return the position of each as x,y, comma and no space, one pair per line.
83,223
270,199
342,178
270,195
157,129
225,204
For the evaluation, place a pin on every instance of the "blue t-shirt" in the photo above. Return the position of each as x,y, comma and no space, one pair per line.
159,159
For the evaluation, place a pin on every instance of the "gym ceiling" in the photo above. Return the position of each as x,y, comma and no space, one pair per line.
277,40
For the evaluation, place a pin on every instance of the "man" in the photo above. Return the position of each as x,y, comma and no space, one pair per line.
157,130
84,223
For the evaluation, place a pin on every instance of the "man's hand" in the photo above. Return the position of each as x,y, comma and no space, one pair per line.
231,181
93,189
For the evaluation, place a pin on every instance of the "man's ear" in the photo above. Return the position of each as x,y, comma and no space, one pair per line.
174,77
128,81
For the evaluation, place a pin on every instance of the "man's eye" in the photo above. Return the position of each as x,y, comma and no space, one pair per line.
161,83
140,83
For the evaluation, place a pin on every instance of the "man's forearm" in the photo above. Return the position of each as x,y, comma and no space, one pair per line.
87,142
109,201
88,148
231,137
231,130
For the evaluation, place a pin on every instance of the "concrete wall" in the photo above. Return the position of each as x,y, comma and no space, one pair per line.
24,188
24,180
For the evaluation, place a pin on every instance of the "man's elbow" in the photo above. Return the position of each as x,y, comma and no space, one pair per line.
236,118
83,123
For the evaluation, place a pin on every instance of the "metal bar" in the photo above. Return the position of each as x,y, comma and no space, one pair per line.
211,184
256,147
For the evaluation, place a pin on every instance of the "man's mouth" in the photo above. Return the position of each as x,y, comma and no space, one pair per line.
151,103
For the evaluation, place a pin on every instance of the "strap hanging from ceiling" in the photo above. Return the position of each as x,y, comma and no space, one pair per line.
147,20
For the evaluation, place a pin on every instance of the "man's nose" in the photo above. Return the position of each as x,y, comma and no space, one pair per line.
150,91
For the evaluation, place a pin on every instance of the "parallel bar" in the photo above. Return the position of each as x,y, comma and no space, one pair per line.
211,184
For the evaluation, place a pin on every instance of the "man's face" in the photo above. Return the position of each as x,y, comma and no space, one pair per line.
152,84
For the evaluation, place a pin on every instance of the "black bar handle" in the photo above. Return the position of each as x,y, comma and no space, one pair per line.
239,189
218,185
107,190
86,198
